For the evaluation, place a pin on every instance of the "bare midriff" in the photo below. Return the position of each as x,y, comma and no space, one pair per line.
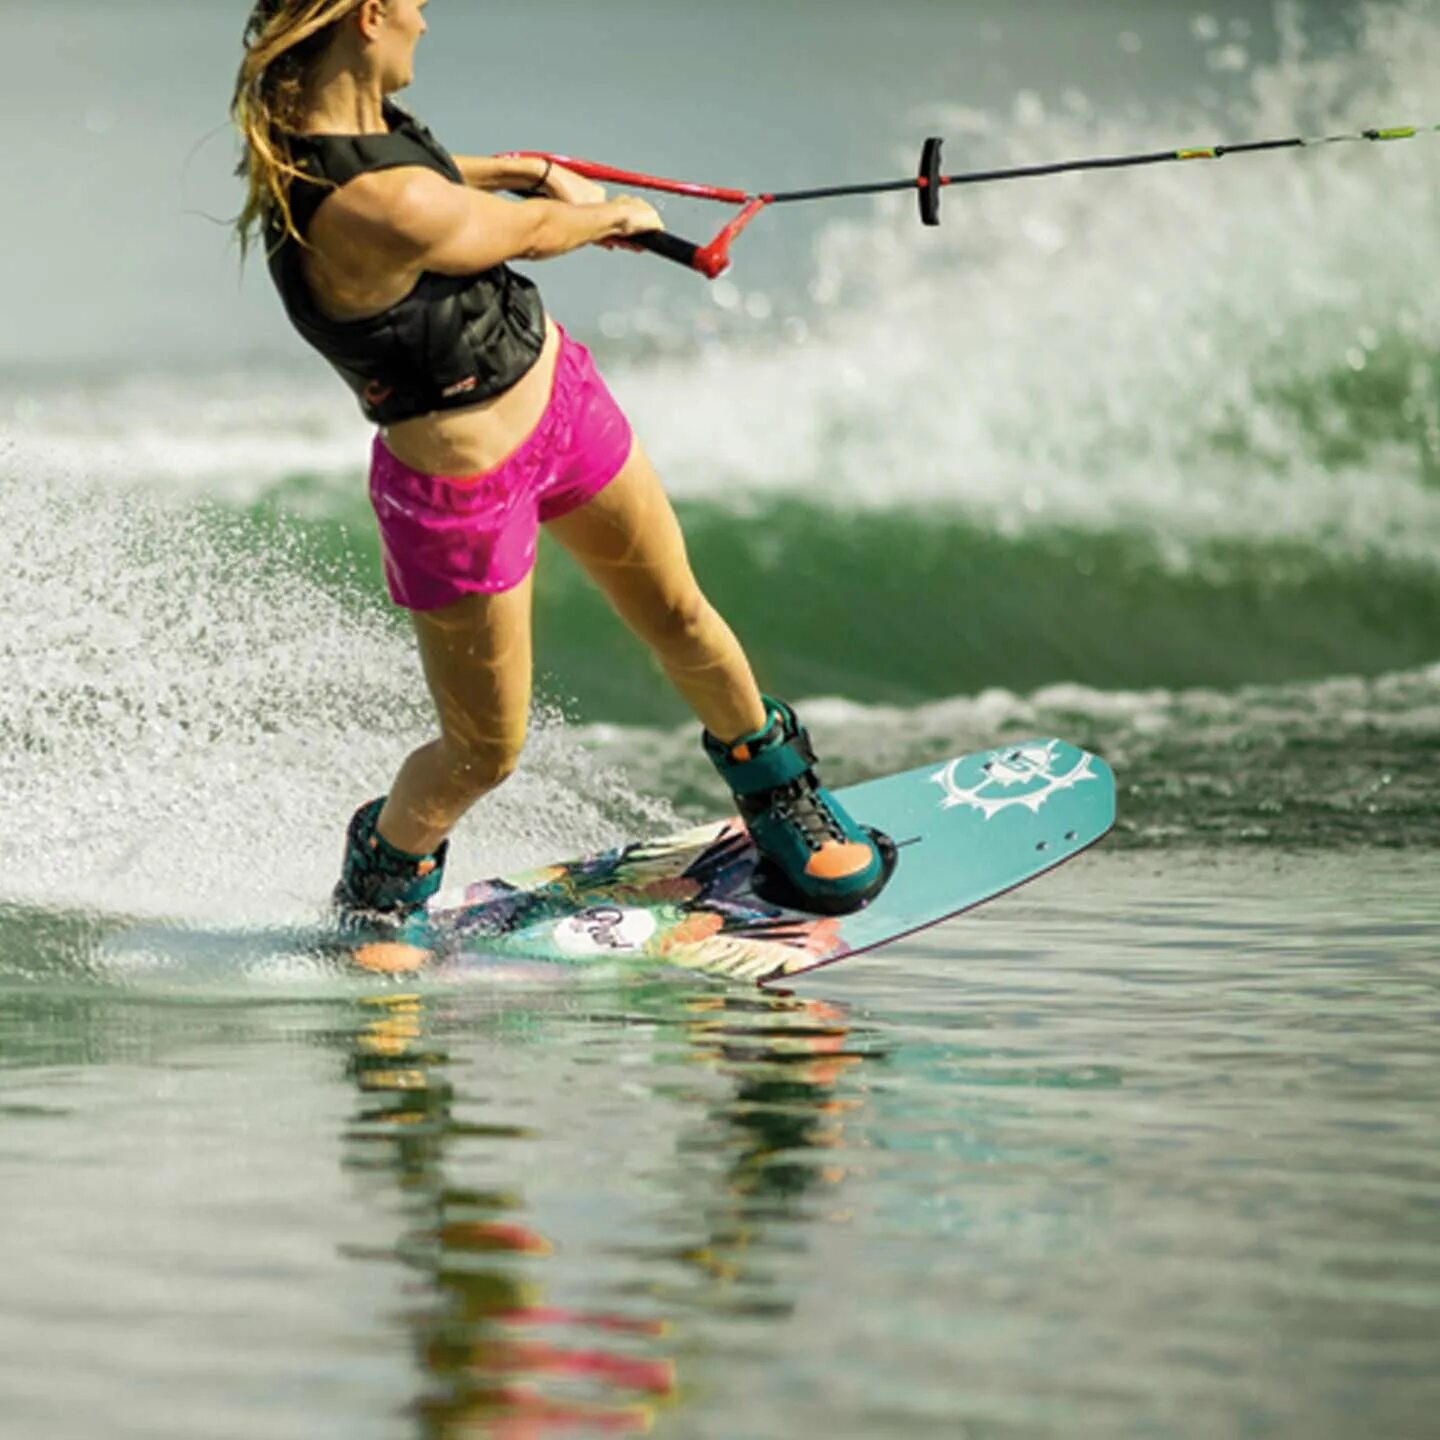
458,444
464,444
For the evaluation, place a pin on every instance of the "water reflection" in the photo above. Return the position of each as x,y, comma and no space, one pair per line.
499,1354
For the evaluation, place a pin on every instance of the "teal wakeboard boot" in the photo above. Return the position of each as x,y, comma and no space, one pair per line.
813,855
381,885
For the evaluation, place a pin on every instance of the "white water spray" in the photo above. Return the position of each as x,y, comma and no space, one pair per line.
188,719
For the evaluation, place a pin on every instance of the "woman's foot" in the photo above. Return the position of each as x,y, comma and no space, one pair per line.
814,855
377,880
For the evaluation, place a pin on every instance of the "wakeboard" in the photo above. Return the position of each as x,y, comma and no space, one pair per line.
964,829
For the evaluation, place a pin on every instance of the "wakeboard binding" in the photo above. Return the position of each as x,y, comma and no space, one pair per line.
378,882
814,856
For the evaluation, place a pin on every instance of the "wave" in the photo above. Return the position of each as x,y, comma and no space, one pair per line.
1333,765
1244,351
191,710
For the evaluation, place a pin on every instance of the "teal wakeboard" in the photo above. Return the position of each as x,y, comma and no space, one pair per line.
965,830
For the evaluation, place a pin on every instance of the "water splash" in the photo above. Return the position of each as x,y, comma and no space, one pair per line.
188,717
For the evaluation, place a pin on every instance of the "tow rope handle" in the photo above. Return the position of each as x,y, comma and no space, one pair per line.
711,260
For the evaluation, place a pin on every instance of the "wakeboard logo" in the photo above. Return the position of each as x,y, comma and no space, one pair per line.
604,930
1023,775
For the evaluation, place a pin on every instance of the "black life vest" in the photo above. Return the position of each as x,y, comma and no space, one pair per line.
453,340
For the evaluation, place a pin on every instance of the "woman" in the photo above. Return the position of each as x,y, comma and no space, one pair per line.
390,257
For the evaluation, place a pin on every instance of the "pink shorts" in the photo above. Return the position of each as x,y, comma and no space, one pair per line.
443,538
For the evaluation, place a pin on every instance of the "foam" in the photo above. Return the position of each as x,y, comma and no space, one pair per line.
188,720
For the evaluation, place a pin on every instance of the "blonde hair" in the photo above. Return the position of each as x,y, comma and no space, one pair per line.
283,38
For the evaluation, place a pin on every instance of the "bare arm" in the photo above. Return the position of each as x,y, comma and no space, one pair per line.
417,220
501,172
534,174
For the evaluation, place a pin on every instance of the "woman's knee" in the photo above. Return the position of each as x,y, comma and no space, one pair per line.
480,763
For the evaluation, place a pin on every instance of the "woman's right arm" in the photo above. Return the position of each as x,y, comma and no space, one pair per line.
422,221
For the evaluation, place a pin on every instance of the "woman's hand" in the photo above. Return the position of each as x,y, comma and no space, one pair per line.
573,189
636,217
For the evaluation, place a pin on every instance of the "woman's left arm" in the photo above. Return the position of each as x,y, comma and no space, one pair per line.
529,172
501,172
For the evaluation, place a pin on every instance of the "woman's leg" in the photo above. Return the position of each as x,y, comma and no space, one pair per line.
476,655
628,541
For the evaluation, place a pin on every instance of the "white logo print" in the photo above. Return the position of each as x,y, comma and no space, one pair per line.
1019,776
604,930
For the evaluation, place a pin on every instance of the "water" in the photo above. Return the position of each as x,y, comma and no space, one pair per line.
1151,461
1143,1151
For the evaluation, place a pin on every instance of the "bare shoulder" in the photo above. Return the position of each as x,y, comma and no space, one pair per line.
406,208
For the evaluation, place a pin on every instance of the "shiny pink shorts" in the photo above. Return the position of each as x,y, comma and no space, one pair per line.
443,538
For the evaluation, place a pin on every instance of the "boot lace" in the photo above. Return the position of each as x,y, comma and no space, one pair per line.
799,805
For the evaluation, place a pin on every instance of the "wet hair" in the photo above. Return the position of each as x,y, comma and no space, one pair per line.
283,39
